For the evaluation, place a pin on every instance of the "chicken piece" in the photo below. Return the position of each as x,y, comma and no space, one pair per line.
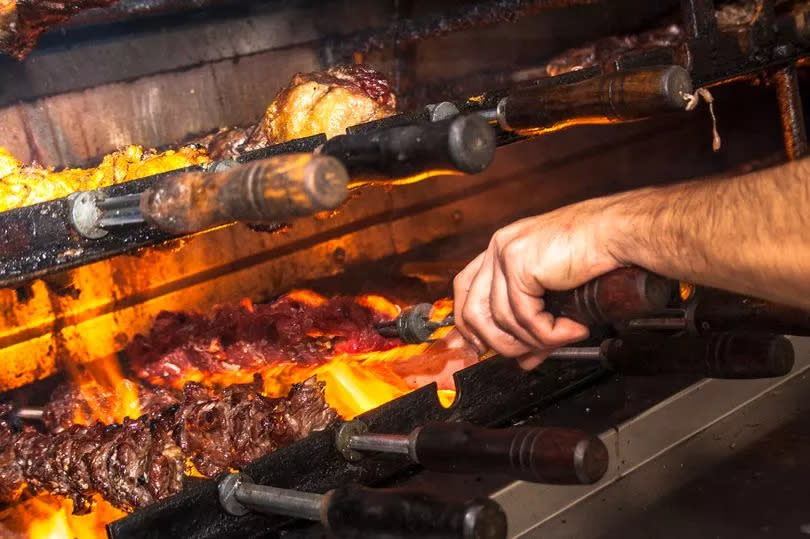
23,185
327,102
320,102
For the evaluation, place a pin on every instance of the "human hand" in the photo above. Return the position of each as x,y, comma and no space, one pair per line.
499,295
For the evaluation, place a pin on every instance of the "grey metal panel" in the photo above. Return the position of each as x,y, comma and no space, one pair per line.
661,449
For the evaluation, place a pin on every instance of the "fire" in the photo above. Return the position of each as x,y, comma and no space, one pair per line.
109,395
354,383
380,304
415,178
441,309
50,517
307,297
23,185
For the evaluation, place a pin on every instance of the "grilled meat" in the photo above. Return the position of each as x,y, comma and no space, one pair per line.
320,102
231,428
12,480
23,185
248,337
132,454
610,48
730,17
69,405
22,21
327,102
140,461
228,142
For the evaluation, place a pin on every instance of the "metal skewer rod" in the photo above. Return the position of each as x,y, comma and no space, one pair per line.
30,412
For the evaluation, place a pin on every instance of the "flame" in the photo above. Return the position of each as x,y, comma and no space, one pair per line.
686,290
441,309
307,297
379,304
415,178
109,395
50,517
23,185
355,383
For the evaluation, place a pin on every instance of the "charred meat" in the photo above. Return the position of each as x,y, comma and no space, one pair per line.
70,405
243,337
231,428
610,48
730,17
140,461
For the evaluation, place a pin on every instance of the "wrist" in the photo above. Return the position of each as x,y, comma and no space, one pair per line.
621,225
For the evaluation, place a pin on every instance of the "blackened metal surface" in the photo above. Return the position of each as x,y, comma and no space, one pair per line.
301,145
127,10
397,120
39,239
406,31
790,112
698,18
489,393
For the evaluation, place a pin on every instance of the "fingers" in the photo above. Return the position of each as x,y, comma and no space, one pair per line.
542,325
532,360
461,287
494,311
477,315
502,311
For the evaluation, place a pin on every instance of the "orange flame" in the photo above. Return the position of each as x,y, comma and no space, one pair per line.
379,304
110,397
50,517
307,297
355,383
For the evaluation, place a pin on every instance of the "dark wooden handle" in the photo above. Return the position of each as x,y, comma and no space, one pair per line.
538,454
614,97
722,311
353,511
622,294
719,355
266,191
463,144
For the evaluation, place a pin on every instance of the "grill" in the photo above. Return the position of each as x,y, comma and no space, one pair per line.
410,199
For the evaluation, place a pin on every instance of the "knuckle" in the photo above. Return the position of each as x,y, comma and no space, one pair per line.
469,314
501,320
499,240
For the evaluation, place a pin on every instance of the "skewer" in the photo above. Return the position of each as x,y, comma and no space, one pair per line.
622,294
265,191
29,413
538,454
722,311
356,511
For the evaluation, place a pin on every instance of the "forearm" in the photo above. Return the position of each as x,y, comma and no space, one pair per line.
748,234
